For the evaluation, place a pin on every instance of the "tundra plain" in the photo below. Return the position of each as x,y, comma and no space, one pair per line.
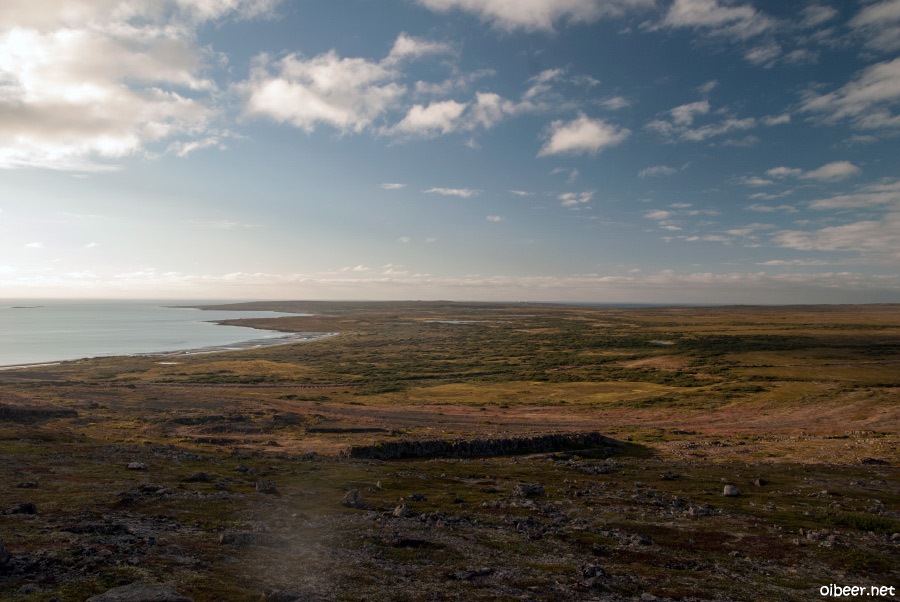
233,476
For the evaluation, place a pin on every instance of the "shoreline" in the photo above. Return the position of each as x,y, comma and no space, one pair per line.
288,339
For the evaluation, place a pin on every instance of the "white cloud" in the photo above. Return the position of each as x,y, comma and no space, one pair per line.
345,93
783,172
882,194
708,87
837,170
657,170
404,240
880,24
87,81
532,15
684,114
658,214
614,103
92,245
725,19
680,124
522,193
756,181
866,101
393,186
777,119
816,14
574,199
406,46
760,208
34,245
763,54
877,238
745,142
795,262
495,218
460,192
183,149
436,118
582,135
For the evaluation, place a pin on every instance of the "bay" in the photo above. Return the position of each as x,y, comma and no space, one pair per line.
44,330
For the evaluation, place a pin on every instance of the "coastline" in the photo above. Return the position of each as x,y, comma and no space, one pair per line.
297,337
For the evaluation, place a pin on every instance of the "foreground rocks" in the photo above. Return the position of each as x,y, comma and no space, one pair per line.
137,592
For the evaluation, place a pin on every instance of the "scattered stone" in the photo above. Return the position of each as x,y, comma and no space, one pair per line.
29,588
731,491
27,485
417,497
529,490
250,538
274,595
136,466
470,574
4,555
760,482
592,571
198,477
23,508
874,461
402,511
139,592
267,487
354,499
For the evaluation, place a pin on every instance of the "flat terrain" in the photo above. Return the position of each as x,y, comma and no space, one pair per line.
243,487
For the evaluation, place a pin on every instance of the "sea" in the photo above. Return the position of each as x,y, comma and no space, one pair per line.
35,331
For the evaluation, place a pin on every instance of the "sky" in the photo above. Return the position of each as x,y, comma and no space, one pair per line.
608,151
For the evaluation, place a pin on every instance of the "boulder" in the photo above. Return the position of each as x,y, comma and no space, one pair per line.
731,491
529,490
136,466
354,499
267,487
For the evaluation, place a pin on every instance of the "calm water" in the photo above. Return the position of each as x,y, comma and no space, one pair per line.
64,330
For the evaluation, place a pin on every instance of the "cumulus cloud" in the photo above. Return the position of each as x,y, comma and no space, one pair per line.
87,81
867,101
836,170
684,114
582,135
532,15
436,118
345,93
657,170
574,199
459,192
406,46
614,103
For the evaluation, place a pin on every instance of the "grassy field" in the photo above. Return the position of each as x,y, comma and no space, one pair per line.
795,406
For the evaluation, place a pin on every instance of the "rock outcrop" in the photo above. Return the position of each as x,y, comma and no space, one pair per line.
389,450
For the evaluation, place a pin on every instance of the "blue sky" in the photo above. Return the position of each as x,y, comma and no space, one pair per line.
703,151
